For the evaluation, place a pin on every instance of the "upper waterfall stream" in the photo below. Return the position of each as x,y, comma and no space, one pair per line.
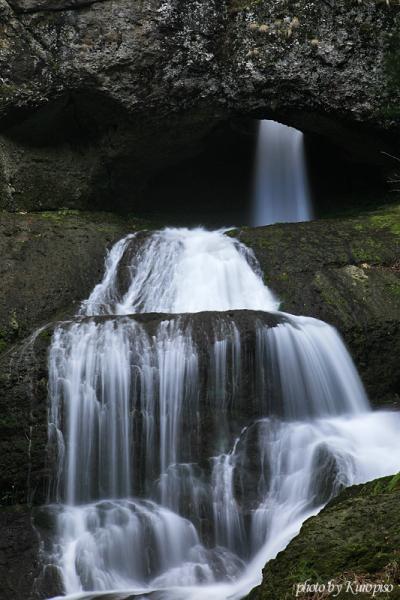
180,271
281,188
190,447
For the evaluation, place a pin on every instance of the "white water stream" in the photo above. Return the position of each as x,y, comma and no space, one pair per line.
281,191
154,491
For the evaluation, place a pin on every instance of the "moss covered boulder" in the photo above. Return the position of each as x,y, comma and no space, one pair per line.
354,541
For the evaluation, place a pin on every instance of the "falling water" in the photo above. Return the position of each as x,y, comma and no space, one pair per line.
281,190
177,271
190,447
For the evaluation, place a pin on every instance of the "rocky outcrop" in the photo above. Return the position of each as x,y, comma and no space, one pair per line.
23,422
49,263
27,6
105,93
345,272
354,540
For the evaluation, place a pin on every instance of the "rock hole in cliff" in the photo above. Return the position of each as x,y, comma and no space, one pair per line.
216,185
82,151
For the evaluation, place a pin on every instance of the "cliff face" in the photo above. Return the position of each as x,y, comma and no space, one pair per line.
106,92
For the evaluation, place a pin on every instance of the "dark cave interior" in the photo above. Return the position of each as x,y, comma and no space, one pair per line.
82,153
215,187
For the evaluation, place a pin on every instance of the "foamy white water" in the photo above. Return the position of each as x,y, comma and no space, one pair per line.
182,270
157,487
281,188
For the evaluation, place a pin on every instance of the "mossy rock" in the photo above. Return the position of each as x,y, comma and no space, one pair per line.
49,262
355,538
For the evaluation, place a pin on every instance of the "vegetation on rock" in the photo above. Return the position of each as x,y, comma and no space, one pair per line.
355,538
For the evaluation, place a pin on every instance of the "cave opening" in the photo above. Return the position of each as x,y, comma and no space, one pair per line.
216,186
196,169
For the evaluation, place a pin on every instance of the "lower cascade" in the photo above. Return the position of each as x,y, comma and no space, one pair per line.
193,427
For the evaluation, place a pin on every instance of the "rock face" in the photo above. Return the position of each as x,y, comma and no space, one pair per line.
27,6
107,92
19,554
354,539
49,263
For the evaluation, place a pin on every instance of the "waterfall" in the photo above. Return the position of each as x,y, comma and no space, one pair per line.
177,271
190,443
281,187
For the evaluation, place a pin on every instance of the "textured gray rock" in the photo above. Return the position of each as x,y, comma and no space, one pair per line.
93,99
